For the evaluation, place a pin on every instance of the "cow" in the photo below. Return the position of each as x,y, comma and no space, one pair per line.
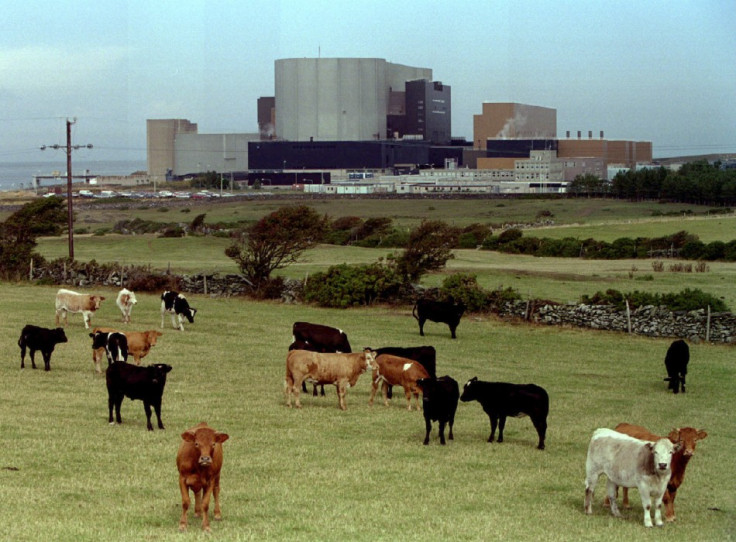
178,307
686,438
139,344
125,301
629,462
501,399
439,402
342,370
675,361
199,461
114,344
397,371
68,301
39,338
446,312
426,355
318,338
144,383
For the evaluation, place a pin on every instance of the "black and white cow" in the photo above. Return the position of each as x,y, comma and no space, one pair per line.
425,355
446,312
319,338
115,344
676,360
501,399
39,338
439,403
178,308
143,383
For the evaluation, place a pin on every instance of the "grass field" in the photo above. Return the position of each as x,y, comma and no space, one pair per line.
323,474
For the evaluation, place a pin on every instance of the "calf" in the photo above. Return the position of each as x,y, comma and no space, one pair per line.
178,308
125,301
318,338
68,301
439,399
426,355
629,462
144,383
114,343
397,371
686,438
501,399
199,461
438,311
342,370
139,344
676,360
39,338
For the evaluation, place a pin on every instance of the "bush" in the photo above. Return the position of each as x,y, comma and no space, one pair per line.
344,286
686,300
464,287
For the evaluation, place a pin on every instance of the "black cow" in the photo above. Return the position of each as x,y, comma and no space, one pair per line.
144,383
318,338
439,402
115,344
178,307
39,338
425,355
446,312
676,360
501,399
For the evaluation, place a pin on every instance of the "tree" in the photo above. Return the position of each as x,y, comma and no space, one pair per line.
430,246
276,241
18,233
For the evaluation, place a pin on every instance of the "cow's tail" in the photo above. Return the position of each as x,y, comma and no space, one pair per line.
414,311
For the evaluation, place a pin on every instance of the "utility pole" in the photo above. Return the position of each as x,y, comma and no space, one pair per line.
69,209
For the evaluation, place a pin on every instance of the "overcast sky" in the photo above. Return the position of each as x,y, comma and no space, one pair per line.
663,71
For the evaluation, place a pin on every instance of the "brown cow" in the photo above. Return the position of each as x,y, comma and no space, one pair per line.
342,370
199,461
139,344
397,371
687,437
68,301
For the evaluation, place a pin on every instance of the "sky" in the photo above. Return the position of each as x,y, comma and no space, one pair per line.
660,71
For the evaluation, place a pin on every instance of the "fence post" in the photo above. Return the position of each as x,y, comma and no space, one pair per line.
628,316
205,284
30,271
707,326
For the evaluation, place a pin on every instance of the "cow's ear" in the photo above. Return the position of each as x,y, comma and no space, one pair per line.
649,446
702,434
221,437
187,436
674,436
91,334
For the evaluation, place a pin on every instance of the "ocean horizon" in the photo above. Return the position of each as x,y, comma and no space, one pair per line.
19,175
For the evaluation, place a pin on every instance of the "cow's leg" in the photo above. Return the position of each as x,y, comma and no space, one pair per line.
442,432
682,383
646,504
304,387
669,503
452,331
428,427
314,390
501,425
390,392
374,389
421,326
611,493
185,502
590,483
407,394
46,360
540,424
198,502
494,421
321,390
206,506
216,494
657,504
675,384
23,356
451,422
157,410
147,408
33,357
86,316
341,388
295,391
625,501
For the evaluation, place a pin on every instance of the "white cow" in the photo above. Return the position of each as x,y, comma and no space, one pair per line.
629,462
68,301
125,301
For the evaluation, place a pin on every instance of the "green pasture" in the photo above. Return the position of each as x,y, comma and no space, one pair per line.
557,279
323,474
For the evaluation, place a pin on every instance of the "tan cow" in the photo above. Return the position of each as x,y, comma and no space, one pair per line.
199,461
397,371
342,370
68,301
687,438
139,344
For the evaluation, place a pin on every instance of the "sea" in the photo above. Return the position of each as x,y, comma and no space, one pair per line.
19,175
